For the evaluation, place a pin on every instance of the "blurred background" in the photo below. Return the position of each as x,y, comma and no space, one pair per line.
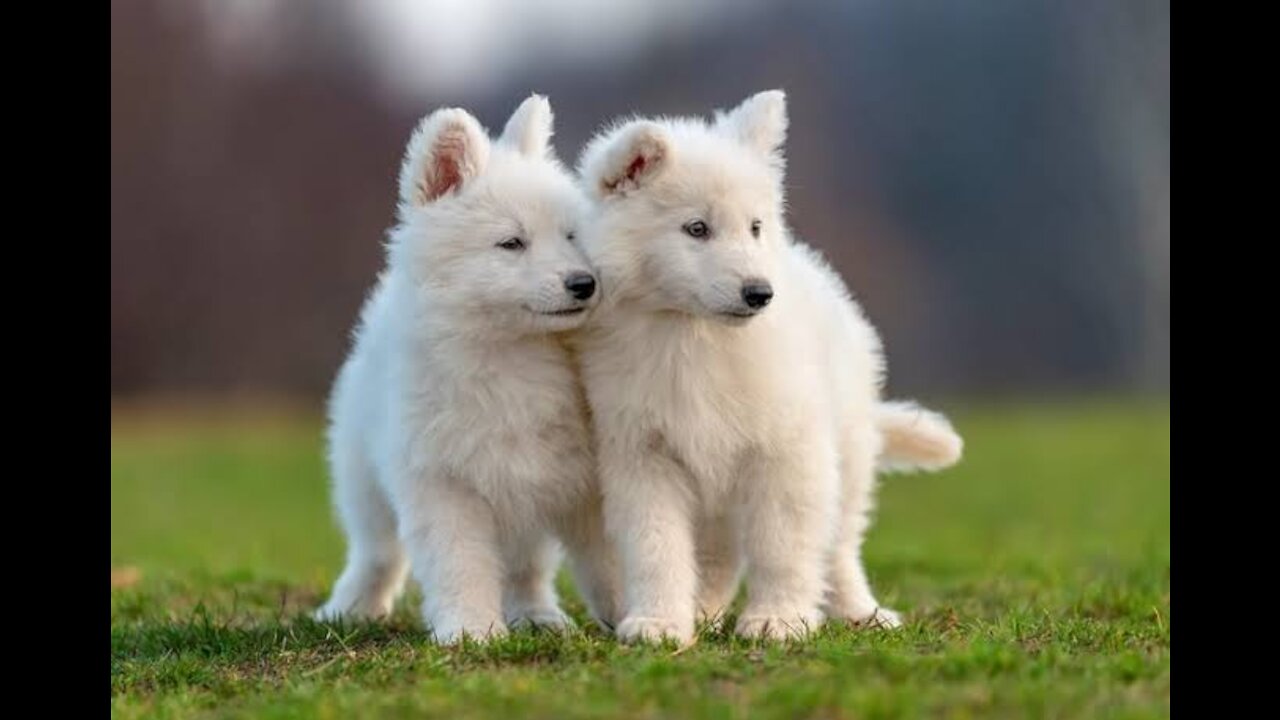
991,178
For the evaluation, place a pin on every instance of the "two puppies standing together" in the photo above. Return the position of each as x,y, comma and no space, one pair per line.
639,367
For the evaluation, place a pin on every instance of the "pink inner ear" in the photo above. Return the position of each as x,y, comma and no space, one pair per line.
635,168
446,173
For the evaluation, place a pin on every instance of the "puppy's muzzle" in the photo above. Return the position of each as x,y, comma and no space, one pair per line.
580,285
757,293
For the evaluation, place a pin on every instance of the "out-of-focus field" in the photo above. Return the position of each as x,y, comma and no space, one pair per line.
1035,579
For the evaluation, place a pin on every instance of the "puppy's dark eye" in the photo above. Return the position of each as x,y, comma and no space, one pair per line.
755,228
513,243
697,229
571,236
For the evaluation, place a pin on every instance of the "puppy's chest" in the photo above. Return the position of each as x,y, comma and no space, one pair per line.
520,438
699,409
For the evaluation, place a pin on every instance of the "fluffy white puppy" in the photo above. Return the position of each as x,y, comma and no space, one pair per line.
459,441
734,385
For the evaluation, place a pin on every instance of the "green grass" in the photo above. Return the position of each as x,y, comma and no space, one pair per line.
1035,578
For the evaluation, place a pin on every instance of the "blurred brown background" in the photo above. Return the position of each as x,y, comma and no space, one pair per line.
992,178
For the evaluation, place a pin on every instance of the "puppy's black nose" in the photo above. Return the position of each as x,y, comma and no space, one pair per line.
580,285
757,293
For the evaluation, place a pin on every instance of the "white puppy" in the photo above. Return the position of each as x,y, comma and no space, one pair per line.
734,385
459,440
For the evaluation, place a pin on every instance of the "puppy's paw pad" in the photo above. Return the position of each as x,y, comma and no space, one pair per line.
642,629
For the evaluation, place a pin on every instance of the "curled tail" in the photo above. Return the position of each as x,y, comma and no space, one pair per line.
915,438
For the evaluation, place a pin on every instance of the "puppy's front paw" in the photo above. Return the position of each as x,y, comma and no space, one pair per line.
452,632
878,619
327,613
777,625
548,618
713,623
332,612
648,629
607,621
865,613
713,615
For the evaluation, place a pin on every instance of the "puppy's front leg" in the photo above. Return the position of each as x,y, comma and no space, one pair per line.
647,514
789,500
530,591
453,544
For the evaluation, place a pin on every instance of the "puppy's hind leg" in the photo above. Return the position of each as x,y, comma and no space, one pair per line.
529,594
595,564
719,567
849,597
376,564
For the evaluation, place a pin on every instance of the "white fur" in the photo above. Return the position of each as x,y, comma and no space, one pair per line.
915,438
725,436
459,442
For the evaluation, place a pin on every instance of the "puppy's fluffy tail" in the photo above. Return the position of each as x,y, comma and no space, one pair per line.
915,438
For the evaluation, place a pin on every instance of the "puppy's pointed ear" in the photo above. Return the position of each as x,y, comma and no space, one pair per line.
760,122
626,158
530,127
448,150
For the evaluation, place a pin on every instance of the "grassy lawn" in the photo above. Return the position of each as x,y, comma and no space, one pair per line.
1034,576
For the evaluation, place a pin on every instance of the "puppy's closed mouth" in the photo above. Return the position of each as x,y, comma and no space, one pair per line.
739,314
570,311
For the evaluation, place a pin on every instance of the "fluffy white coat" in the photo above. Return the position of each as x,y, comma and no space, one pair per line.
731,428
459,442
